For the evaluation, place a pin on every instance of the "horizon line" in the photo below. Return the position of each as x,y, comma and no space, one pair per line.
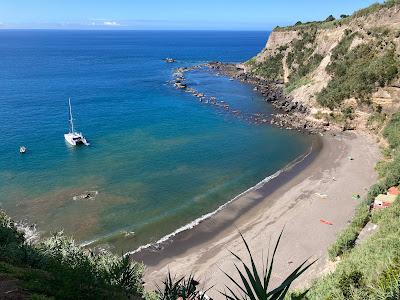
130,29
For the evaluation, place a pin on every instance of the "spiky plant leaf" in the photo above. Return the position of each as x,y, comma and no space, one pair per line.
181,288
255,286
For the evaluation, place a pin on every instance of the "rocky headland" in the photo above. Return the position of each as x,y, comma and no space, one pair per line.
290,113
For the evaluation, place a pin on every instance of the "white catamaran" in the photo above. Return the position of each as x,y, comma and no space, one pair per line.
72,137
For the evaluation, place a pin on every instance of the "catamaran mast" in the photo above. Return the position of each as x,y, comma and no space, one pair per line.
71,122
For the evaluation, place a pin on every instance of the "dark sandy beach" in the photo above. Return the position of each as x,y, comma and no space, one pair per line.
318,187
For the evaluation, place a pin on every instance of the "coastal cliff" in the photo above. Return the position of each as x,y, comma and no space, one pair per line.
345,71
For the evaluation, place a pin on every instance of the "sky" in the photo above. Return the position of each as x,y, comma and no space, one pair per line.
169,14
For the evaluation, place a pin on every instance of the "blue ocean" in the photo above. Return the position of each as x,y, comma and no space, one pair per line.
158,158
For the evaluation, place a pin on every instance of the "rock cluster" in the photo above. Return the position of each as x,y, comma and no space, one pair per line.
293,114
272,91
169,60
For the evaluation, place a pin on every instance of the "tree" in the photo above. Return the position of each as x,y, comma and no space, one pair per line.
344,16
298,23
330,19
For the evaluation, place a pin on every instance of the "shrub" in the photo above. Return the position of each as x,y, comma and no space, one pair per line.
376,120
375,190
271,68
348,113
330,18
251,62
375,7
342,47
299,76
347,238
296,83
344,242
300,60
357,72
392,131
66,271
181,288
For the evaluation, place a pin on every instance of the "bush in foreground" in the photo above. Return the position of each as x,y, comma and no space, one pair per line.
58,268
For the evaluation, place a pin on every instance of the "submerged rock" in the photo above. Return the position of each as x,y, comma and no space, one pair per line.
169,60
294,112
180,85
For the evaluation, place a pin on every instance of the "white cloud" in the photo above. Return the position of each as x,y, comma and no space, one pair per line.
111,23
103,22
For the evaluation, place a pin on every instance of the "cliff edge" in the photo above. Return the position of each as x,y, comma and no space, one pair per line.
345,71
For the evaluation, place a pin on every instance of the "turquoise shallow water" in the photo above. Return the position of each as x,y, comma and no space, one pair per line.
158,158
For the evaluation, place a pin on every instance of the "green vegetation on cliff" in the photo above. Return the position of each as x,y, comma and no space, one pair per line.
301,59
331,22
301,49
374,7
365,58
392,132
357,72
271,69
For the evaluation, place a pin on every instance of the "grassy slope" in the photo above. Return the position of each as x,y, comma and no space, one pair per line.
357,72
56,268
334,23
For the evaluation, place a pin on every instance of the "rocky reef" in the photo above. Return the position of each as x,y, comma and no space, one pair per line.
291,114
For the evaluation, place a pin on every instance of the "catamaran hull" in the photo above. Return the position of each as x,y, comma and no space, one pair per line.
75,139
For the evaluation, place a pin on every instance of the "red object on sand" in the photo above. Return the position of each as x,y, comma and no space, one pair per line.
325,222
394,191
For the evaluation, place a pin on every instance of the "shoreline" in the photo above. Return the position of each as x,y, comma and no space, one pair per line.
165,246
278,178
319,190
291,114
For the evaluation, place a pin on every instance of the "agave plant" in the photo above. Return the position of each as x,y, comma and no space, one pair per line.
181,288
255,286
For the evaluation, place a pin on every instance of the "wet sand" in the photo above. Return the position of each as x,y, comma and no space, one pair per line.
319,187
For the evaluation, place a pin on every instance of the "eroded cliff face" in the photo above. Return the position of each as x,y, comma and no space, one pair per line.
306,54
276,39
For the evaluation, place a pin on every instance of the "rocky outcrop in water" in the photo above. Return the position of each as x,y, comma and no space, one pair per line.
292,113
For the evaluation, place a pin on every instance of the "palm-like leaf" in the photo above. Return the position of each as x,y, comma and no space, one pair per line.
181,288
255,287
